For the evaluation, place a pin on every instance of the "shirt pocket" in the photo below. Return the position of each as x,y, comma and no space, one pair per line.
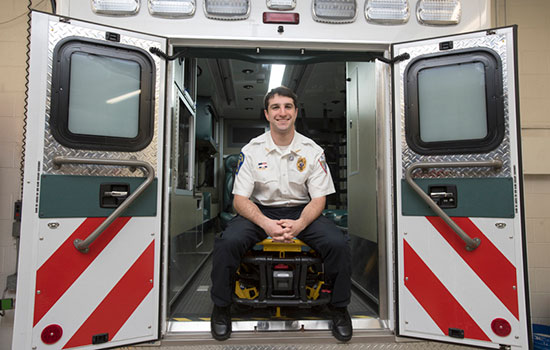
297,177
266,179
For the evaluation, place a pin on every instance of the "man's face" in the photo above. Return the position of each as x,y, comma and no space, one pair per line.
281,114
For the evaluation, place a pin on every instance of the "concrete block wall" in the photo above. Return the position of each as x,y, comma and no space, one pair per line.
534,80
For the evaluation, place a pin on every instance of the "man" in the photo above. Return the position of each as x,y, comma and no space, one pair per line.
280,186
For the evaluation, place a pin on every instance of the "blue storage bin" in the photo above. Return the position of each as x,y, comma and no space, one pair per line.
541,337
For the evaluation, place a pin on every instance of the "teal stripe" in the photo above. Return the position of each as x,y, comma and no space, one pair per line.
68,196
486,197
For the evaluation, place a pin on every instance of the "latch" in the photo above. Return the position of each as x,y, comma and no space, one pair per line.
112,195
443,195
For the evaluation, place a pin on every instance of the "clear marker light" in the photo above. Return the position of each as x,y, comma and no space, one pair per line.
334,11
116,7
172,8
281,4
227,9
387,11
438,12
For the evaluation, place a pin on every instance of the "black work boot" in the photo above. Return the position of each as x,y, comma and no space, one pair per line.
341,323
220,322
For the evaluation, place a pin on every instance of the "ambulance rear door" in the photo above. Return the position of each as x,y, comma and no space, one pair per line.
458,191
89,262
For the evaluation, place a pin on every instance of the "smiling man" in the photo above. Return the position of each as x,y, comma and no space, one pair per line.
280,190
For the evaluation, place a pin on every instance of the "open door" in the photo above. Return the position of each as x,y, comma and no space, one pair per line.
89,260
459,210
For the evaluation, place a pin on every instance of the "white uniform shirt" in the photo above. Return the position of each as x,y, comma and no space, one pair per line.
271,177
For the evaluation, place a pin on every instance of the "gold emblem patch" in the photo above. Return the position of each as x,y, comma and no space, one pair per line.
301,164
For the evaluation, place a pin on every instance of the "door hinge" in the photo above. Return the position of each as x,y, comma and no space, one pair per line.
110,36
16,226
100,338
456,333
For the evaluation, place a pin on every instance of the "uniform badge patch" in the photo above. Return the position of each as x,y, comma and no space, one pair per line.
323,162
262,165
301,164
240,163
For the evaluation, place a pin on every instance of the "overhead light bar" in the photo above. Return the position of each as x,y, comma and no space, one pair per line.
276,76
227,9
115,7
281,5
334,11
387,11
172,8
438,12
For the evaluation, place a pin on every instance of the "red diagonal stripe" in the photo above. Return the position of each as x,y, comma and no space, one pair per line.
494,269
120,303
66,264
438,302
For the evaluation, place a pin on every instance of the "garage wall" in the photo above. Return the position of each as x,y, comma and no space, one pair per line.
13,33
534,80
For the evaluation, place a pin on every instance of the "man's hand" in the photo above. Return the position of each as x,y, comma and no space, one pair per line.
273,228
291,228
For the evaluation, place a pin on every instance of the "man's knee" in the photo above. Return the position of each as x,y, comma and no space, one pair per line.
239,235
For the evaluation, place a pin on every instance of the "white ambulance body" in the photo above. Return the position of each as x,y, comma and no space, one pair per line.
415,102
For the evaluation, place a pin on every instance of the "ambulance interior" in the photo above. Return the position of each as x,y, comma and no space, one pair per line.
228,87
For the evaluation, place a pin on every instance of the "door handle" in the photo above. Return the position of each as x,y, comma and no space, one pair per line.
117,194
148,171
471,243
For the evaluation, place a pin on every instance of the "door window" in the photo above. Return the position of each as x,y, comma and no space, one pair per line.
454,103
102,96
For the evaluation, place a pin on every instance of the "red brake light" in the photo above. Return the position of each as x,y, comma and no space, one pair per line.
281,18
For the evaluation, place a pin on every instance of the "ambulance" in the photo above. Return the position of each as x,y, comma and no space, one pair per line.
135,109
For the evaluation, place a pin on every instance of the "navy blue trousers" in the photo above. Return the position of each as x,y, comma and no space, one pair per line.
321,235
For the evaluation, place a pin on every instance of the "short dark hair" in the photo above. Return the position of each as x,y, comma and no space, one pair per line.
281,91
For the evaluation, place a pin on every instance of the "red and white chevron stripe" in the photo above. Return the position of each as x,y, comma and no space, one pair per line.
447,286
107,290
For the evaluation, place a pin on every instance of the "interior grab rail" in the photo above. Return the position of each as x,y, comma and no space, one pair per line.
84,245
471,243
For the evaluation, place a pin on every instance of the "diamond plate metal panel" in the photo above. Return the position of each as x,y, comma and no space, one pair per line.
498,44
333,346
59,31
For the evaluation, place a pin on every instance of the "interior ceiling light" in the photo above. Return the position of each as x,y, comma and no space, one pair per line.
334,11
438,12
172,8
387,11
247,71
227,9
276,76
115,7
281,4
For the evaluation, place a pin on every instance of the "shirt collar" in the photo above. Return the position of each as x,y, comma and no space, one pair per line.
294,147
